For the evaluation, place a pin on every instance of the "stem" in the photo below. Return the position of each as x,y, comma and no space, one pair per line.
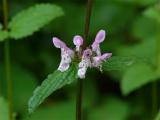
79,100
7,59
80,82
87,23
8,76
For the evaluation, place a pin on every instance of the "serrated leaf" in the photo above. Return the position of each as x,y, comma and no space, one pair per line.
136,77
119,63
4,112
3,35
54,81
32,19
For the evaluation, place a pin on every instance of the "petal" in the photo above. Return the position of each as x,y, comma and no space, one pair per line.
58,43
100,36
63,67
87,53
82,72
95,46
99,59
78,40
105,56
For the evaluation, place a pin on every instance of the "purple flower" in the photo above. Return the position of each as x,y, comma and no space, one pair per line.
66,54
78,41
85,63
89,57
97,61
99,39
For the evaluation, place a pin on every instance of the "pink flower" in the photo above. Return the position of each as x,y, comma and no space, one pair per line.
99,39
66,54
89,58
97,61
85,63
78,41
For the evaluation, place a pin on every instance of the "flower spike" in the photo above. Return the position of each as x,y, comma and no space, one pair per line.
88,59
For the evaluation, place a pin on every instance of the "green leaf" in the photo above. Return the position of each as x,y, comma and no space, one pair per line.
54,81
136,77
3,35
111,109
158,116
32,19
140,2
119,63
144,28
4,112
140,50
153,12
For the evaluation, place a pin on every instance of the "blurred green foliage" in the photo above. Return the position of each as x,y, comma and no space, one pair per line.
4,115
121,92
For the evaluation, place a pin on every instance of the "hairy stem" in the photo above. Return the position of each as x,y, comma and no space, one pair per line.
7,59
80,82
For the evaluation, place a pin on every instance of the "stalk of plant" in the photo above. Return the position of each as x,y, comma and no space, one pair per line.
7,59
80,81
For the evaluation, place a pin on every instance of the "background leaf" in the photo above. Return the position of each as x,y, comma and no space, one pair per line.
112,109
140,2
4,112
136,77
153,12
119,63
55,111
24,83
53,82
32,19
3,35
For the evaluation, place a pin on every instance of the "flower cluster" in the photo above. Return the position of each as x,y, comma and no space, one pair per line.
89,57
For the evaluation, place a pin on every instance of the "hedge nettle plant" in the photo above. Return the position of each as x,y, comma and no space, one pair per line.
74,63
